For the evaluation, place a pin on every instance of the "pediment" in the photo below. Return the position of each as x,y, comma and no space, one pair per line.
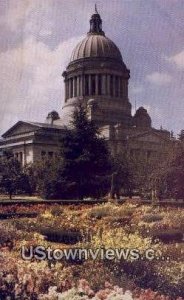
20,128
149,137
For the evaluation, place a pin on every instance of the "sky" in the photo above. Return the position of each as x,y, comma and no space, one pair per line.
38,36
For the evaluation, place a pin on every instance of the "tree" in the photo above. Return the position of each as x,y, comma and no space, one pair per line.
122,177
11,175
85,157
175,177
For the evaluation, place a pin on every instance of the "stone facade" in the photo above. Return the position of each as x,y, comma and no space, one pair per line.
97,77
30,142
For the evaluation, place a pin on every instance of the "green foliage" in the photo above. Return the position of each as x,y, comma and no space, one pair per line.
122,180
15,215
149,218
100,212
168,178
61,235
13,179
85,156
57,211
7,234
167,236
83,164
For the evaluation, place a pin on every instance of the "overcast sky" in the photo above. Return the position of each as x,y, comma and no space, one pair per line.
38,36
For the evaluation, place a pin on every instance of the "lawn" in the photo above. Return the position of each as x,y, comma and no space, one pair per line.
150,239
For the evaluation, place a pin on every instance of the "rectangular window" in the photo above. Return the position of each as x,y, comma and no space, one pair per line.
50,154
43,154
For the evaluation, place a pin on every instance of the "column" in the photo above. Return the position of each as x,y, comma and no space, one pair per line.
65,89
78,86
68,88
104,85
82,85
96,84
114,85
73,86
108,85
126,88
119,84
89,82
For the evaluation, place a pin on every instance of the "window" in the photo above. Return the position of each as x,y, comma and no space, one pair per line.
50,154
43,154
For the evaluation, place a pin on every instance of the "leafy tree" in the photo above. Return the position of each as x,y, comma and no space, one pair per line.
122,178
181,135
48,179
11,175
174,178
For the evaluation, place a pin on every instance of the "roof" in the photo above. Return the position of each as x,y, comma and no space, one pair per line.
27,126
96,45
45,125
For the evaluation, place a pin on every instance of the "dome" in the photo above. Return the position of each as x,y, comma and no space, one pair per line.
141,118
96,45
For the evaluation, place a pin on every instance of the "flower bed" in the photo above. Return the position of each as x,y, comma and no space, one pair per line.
100,226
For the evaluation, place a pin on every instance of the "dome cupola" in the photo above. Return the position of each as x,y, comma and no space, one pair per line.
96,71
96,23
96,44
141,118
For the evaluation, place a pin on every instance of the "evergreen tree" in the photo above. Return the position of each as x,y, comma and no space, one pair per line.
85,157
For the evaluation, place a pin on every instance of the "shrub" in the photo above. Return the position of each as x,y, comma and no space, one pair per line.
120,219
57,211
61,235
4,216
100,212
149,218
168,236
8,234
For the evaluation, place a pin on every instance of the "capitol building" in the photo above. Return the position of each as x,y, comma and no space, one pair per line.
97,77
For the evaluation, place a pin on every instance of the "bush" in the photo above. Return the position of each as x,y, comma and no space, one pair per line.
149,218
61,236
57,211
4,216
168,236
7,235
120,220
100,212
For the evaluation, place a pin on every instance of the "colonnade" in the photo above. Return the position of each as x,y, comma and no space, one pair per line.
96,84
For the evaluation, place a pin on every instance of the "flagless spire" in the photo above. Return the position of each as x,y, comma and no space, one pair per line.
96,23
